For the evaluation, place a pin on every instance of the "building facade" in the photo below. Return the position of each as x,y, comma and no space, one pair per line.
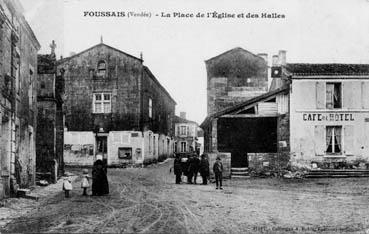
116,107
18,110
329,114
233,77
185,137
251,132
50,117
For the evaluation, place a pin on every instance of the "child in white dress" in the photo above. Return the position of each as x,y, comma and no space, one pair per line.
67,186
85,183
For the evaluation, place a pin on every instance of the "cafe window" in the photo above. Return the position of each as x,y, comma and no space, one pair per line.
334,139
333,96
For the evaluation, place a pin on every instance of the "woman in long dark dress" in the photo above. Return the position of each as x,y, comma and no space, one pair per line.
100,185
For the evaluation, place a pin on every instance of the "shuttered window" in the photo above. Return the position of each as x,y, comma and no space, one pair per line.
319,141
349,139
333,96
365,95
320,95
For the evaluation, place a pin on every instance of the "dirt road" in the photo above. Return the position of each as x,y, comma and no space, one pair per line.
146,200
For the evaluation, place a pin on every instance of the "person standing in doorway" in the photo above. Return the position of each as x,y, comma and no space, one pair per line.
204,169
218,171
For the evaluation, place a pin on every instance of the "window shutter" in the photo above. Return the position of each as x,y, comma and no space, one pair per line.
349,139
319,140
365,95
347,99
320,95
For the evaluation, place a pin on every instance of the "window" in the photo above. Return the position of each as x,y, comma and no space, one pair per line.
102,103
150,107
183,146
30,88
183,130
17,78
154,144
333,96
101,68
333,139
124,153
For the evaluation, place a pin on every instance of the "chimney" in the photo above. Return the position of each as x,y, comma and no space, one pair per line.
182,115
263,56
282,57
275,60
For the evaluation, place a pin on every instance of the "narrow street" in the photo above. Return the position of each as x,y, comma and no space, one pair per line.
146,200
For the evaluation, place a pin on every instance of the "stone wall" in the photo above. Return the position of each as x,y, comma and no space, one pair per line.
233,77
18,111
130,84
121,80
268,162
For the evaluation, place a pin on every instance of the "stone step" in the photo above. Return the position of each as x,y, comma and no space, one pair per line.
340,170
335,176
240,177
31,196
23,192
337,173
239,169
240,173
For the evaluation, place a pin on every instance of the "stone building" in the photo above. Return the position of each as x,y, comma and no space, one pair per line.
185,135
18,110
329,115
242,117
116,107
50,118
250,132
233,77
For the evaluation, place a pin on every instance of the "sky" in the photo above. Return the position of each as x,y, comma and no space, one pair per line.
313,31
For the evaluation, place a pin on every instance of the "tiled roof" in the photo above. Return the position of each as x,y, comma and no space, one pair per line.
323,69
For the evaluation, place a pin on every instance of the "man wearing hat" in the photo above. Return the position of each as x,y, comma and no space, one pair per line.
218,171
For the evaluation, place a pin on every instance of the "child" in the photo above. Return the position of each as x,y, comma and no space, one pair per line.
85,184
67,186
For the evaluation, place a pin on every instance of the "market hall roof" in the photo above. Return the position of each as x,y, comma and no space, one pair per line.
326,69
244,104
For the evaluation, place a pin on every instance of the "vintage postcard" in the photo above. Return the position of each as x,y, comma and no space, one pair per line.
173,116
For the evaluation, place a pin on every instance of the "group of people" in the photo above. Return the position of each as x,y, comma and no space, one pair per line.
191,166
100,184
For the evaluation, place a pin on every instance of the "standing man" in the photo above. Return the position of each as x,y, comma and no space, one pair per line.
190,168
218,170
178,169
196,167
204,169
